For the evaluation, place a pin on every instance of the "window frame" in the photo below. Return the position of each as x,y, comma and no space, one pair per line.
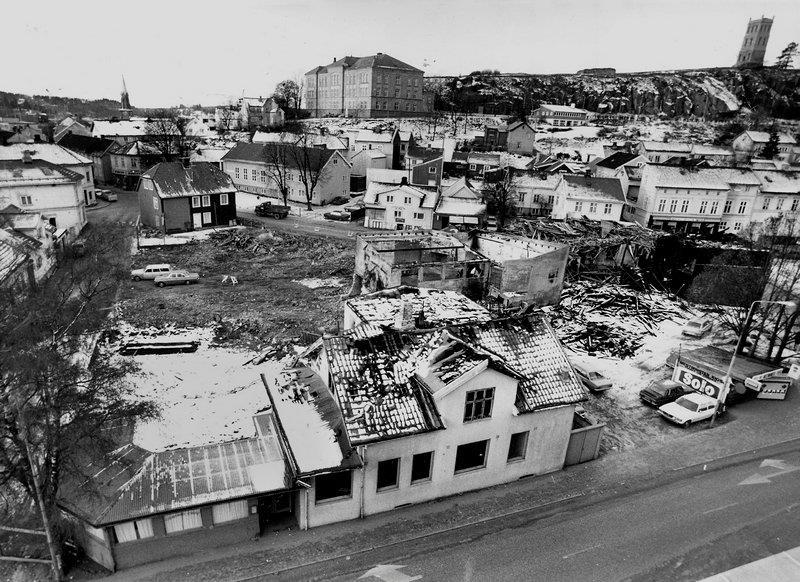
205,200
195,201
383,465
486,443
335,498
223,200
429,476
525,434
475,401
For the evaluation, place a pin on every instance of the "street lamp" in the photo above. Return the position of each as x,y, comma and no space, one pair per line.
723,391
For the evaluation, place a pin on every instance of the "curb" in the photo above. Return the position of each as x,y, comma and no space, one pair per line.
567,503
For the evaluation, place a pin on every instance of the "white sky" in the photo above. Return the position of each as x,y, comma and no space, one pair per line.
174,51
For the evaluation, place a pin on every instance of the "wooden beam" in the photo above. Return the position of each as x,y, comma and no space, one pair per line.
32,560
23,530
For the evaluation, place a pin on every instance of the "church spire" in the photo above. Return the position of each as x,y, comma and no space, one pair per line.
125,102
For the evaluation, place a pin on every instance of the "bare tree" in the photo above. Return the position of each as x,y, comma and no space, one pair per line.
501,198
166,131
278,159
311,163
61,404
289,94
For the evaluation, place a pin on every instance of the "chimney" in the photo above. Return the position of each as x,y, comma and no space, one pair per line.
26,157
404,318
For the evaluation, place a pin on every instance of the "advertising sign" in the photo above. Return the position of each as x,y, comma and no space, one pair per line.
697,379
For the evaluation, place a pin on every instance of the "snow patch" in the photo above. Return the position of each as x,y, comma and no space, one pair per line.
320,283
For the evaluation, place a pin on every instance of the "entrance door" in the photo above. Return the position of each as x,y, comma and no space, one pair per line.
197,220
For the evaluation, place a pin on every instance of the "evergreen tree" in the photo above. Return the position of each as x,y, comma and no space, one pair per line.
784,61
771,149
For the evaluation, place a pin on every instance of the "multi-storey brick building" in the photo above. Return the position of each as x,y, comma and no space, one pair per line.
373,86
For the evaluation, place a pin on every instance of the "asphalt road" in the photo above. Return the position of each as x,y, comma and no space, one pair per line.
683,531
125,209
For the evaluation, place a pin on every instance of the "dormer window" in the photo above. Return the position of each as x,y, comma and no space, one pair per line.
478,404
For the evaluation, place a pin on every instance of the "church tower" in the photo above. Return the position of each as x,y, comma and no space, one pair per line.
125,102
754,44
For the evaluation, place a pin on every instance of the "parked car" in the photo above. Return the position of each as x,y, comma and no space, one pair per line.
339,200
272,210
662,392
592,379
150,272
106,195
698,327
357,210
338,215
177,278
692,407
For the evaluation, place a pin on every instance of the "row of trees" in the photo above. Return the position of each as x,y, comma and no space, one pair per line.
62,406
296,154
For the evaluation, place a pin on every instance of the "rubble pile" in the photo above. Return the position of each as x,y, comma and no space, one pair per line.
245,240
611,320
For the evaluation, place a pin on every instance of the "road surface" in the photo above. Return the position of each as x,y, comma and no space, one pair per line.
683,531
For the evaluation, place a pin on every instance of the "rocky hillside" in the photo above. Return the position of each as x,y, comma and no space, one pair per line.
56,107
713,93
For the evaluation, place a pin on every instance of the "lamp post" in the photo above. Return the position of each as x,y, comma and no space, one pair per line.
723,391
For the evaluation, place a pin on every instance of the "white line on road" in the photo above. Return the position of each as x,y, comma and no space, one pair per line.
581,551
719,508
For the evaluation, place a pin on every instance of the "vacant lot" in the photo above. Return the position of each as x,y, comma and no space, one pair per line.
268,301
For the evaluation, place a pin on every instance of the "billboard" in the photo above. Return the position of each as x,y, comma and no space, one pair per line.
697,379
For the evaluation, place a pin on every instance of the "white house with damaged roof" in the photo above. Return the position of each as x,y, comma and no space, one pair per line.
460,205
590,196
442,411
535,193
399,206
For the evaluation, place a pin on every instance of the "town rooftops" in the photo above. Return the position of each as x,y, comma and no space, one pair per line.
777,182
134,148
616,160
378,374
172,180
85,144
369,135
261,153
666,146
49,152
429,307
705,178
424,154
594,188
539,180
18,173
704,149
763,137
387,176
123,128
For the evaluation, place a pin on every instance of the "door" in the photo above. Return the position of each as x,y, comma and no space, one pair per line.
197,220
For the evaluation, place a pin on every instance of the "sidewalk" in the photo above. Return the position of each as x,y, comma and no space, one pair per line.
750,426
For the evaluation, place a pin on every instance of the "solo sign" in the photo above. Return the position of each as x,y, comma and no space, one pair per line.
696,380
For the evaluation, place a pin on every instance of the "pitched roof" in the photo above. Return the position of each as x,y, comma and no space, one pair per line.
425,154
134,148
260,152
594,188
763,137
104,128
427,197
562,108
667,146
13,253
49,152
461,189
706,178
376,60
172,180
616,160
85,144
429,307
17,172
777,182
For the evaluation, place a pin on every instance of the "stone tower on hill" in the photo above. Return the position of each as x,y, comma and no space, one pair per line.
754,44
125,102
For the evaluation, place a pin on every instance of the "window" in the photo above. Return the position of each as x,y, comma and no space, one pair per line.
182,521
195,201
134,530
206,200
673,205
795,203
607,209
206,218
388,474
517,447
333,486
390,198
398,213
155,204
685,206
521,197
727,208
478,404
703,206
421,466
578,206
432,170
225,512
737,226
25,200
223,199
779,204
765,205
471,456
742,206
419,215
714,207
406,200
472,166
244,173
592,207
552,276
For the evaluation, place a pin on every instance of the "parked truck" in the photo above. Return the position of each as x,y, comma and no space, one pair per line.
272,210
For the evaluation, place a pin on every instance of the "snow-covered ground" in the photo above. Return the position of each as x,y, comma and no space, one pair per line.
320,283
182,238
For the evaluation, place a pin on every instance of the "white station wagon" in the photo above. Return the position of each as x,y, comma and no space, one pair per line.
690,408
150,272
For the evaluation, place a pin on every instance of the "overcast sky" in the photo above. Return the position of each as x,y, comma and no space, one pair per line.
176,51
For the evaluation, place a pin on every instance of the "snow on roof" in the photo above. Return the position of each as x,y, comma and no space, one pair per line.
172,180
427,198
310,420
545,181
777,182
36,172
763,137
130,128
368,135
206,397
594,188
702,149
387,176
213,155
666,146
434,306
461,189
49,152
460,207
561,108
706,178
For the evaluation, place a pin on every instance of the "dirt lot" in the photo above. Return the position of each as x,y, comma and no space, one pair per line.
267,302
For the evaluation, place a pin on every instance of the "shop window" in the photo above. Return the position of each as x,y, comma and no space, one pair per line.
388,474
471,456
333,486
225,512
182,521
133,530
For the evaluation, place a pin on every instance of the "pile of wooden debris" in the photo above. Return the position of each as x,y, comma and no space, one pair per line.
611,320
